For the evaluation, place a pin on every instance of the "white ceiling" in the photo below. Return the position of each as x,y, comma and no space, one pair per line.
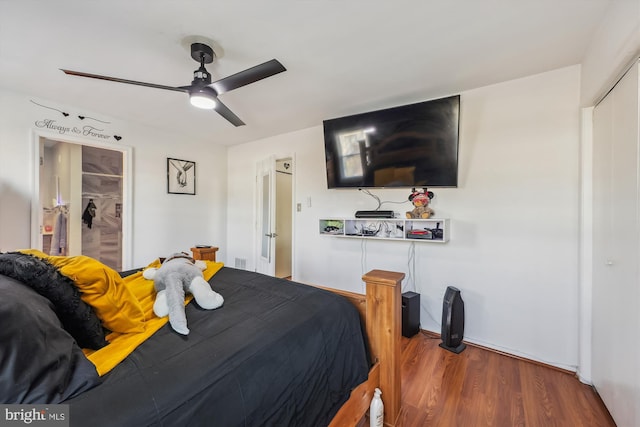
342,57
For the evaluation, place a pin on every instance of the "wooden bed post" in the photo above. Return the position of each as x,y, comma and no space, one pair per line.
384,326
381,311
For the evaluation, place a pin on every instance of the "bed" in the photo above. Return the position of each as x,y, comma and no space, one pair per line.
277,353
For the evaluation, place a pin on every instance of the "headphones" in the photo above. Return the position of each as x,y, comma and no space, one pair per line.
424,191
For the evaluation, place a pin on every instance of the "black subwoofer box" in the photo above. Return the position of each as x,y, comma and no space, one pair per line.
410,314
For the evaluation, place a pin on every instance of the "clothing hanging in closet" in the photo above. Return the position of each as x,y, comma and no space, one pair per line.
59,238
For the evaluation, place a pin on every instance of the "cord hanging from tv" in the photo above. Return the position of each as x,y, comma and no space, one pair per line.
413,145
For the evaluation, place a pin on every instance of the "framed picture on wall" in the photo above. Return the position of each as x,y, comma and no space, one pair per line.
181,176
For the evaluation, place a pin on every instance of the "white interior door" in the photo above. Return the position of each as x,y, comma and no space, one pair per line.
266,226
616,251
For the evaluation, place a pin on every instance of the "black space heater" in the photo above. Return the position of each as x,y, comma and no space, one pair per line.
452,321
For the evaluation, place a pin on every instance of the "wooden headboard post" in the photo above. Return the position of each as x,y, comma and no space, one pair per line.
384,327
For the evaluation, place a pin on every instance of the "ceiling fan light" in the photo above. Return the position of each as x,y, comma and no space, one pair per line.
202,100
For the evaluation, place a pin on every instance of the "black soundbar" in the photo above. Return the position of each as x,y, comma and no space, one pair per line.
374,214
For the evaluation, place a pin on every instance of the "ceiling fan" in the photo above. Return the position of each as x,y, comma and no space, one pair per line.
203,93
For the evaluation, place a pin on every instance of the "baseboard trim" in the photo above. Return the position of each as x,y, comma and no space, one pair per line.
504,353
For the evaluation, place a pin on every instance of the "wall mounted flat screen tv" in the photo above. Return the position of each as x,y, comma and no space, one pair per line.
413,145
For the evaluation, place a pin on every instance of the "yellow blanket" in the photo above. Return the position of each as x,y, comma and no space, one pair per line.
124,306
121,345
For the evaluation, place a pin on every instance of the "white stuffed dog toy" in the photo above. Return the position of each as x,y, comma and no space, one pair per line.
179,274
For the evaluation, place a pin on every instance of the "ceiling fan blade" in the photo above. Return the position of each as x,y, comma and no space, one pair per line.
131,82
225,112
250,75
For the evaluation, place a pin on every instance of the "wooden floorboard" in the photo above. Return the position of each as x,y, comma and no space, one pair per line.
479,387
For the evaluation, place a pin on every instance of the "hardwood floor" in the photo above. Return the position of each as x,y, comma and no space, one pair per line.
479,387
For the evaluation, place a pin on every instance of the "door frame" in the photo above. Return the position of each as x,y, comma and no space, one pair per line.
284,217
265,168
272,159
127,187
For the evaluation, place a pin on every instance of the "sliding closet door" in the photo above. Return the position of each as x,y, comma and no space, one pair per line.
102,203
616,251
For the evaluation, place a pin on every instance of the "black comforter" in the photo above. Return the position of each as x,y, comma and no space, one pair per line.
276,354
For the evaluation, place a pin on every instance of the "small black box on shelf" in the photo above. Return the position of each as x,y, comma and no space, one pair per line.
375,214
410,314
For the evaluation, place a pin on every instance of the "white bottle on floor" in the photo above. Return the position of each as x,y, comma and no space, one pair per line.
376,410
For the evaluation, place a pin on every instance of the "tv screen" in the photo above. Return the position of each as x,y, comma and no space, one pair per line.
413,145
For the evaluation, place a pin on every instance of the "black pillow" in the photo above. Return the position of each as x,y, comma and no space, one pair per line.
77,317
40,362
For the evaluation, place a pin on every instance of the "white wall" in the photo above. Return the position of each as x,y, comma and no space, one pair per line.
162,223
514,218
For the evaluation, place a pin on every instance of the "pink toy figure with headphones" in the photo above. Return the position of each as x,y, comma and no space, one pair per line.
420,200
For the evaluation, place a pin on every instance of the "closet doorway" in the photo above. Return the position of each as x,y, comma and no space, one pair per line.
82,206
